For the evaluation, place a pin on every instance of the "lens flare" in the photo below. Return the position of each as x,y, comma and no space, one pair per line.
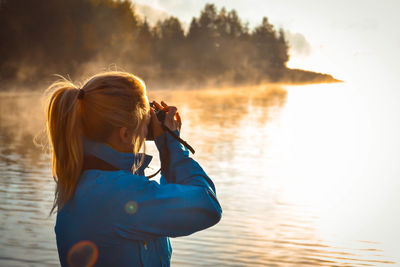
83,254
131,207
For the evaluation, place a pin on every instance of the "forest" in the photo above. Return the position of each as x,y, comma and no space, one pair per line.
76,38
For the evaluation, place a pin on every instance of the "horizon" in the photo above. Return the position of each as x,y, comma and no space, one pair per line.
354,40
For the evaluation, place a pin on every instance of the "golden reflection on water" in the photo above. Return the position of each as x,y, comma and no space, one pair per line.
288,164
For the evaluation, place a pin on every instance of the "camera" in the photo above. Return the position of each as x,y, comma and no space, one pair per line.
160,116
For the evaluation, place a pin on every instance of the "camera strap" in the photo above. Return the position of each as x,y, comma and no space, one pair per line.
93,162
163,157
183,142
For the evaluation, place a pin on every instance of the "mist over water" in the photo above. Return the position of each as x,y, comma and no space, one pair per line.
81,38
294,167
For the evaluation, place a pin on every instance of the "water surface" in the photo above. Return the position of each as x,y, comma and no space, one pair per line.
299,173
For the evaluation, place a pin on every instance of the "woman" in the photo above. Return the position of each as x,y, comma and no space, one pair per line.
108,212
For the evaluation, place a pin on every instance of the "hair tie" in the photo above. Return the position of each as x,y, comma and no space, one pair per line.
81,93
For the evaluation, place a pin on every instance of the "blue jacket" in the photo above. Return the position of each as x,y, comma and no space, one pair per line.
117,218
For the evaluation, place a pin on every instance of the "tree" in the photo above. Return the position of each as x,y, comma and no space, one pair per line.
283,50
170,37
264,39
39,38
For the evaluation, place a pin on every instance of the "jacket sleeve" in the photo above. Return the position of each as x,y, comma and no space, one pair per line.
181,169
185,202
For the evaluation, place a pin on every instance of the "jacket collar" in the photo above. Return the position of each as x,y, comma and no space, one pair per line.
120,160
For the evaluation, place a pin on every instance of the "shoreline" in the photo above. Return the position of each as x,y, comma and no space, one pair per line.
288,77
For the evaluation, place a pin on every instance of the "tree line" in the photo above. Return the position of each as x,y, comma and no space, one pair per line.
42,37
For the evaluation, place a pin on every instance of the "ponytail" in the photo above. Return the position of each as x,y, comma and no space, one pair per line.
64,131
107,101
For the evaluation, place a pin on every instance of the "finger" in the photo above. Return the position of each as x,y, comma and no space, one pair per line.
171,113
164,104
158,106
168,108
165,107
178,119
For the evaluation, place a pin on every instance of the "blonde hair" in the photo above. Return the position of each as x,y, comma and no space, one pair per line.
111,100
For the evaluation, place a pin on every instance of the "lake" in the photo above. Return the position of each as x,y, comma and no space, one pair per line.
306,175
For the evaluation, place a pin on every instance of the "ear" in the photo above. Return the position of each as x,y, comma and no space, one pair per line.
125,135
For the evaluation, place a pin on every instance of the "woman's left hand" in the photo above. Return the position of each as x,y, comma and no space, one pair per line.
172,119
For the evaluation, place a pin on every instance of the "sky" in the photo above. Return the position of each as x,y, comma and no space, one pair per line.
357,41
336,37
